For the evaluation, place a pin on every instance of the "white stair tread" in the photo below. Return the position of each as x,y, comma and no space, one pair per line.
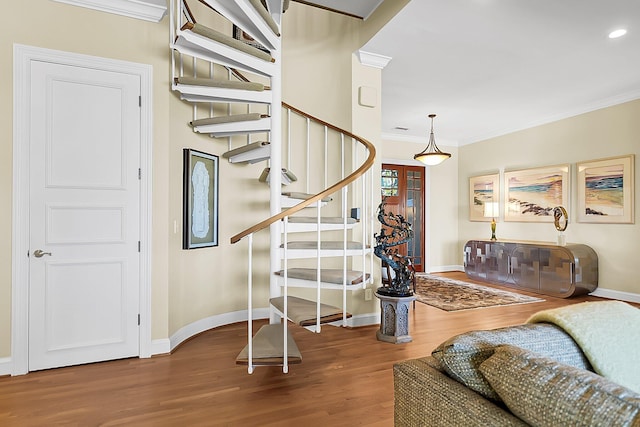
264,14
303,196
287,177
327,275
323,220
222,38
232,125
288,202
219,83
324,245
203,90
301,224
268,348
250,153
306,250
303,312
300,283
196,45
255,22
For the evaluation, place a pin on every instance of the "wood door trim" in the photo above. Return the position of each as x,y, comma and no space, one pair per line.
402,186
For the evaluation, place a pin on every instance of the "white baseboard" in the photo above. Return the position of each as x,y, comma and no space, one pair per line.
186,332
599,292
6,366
202,325
445,268
360,320
161,346
618,295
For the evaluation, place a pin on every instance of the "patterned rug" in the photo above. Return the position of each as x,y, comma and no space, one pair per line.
454,295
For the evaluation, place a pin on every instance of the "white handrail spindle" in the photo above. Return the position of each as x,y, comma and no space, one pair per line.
326,156
250,303
318,265
285,360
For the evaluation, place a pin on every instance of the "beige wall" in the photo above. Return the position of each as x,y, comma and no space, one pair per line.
187,286
603,133
47,24
366,122
320,77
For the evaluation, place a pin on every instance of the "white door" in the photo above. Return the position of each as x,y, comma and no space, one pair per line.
84,266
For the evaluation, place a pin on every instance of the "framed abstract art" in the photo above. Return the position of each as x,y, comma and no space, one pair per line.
605,190
532,194
200,200
483,189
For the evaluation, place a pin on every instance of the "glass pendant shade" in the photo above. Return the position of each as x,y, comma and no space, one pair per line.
432,155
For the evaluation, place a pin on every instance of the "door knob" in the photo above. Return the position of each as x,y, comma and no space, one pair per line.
39,254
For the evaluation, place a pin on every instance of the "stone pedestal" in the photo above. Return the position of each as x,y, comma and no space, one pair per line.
394,318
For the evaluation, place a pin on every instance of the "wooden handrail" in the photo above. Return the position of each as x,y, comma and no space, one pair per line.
316,198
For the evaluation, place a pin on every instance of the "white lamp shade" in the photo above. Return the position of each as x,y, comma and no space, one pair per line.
491,209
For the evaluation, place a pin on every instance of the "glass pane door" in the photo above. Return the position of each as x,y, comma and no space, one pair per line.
403,190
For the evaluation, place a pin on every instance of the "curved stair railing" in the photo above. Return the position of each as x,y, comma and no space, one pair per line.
366,165
200,55
290,307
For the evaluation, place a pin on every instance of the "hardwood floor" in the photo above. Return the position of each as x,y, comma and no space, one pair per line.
345,378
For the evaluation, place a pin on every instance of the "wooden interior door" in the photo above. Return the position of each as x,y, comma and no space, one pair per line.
403,186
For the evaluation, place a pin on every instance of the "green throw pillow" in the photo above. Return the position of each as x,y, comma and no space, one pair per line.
460,356
543,392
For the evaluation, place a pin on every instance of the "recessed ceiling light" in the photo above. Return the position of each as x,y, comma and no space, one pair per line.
617,33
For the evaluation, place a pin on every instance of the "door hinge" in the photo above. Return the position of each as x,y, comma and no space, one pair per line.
139,100
139,173
139,245
138,320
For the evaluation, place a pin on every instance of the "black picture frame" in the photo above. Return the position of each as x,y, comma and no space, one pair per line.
238,34
200,199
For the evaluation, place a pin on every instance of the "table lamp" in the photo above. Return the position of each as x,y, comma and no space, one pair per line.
492,210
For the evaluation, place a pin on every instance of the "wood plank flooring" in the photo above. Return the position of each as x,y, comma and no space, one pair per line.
345,378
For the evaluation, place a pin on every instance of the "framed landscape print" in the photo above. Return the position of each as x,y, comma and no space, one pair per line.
200,200
605,190
531,194
482,190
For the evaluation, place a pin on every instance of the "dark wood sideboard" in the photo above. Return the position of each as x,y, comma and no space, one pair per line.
541,267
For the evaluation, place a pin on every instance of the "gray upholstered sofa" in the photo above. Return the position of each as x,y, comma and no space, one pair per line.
532,374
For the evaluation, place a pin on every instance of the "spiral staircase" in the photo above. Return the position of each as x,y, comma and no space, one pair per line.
321,232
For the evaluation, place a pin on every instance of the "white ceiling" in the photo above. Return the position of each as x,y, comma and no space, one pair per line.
359,8
491,67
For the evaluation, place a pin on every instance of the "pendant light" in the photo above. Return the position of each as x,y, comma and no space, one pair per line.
432,155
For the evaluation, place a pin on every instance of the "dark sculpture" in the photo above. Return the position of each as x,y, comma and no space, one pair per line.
400,233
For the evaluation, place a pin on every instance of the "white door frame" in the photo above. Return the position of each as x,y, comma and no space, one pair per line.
22,58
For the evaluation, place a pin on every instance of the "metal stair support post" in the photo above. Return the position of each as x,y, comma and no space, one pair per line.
275,183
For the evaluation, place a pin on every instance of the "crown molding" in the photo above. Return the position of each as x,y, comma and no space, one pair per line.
373,59
388,136
147,10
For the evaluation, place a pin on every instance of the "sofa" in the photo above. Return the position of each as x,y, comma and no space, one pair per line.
530,374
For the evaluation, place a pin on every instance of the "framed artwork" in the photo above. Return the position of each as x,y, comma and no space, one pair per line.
238,34
605,190
484,192
200,200
531,194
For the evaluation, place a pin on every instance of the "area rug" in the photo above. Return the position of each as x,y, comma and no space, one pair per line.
454,295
